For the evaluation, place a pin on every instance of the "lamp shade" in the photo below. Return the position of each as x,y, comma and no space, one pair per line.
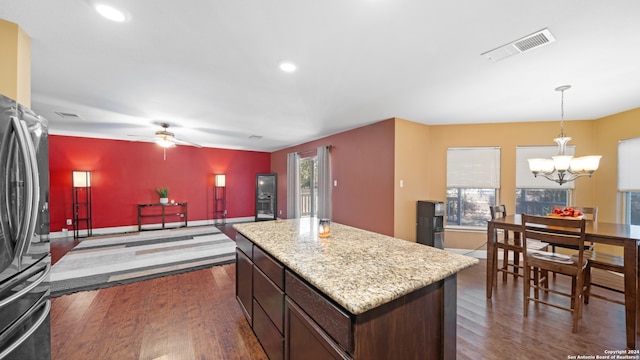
591,162
562,162
221,180
81,178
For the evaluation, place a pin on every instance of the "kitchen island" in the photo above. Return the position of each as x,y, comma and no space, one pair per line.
353,295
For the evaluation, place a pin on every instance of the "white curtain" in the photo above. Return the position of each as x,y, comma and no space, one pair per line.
324,182
293,185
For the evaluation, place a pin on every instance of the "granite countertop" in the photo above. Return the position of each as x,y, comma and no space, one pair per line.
358,269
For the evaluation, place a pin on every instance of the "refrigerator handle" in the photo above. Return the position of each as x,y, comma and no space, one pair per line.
35,182
20,279
32,188
44,303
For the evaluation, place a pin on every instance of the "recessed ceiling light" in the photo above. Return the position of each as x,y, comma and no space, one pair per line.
287,66
111,13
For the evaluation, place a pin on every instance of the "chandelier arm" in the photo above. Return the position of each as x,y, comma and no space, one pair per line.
577,175
561,177
560,180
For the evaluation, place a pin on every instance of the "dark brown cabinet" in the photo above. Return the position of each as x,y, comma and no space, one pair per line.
293,320
270,298
244,284
334,322
305,339
260,293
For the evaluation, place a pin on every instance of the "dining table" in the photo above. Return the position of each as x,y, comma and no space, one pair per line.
623,235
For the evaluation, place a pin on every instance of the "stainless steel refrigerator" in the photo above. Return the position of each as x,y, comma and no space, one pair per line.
24,234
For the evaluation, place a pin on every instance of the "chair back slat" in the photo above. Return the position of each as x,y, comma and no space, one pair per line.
498,211
560,231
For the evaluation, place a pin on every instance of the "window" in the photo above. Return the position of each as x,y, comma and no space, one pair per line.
473,178
540,201
629,179
469,207
308,187
537,195
632,208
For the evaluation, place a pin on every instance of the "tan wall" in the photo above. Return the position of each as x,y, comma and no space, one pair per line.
610,130
599,136
412,168
15,63
507,136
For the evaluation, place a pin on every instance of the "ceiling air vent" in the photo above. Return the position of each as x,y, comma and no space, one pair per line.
526,43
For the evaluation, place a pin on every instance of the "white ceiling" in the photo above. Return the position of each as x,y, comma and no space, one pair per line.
210,67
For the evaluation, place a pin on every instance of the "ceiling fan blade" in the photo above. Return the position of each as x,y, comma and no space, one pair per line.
184,142
227,133
142,138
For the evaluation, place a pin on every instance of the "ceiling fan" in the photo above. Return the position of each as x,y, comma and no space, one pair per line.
167,139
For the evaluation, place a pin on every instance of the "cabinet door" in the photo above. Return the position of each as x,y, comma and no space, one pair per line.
266,195
305,340
244,284
267,333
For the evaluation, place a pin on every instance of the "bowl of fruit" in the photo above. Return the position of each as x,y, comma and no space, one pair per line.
567,212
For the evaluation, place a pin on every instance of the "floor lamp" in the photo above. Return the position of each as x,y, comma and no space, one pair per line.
81,182
220,199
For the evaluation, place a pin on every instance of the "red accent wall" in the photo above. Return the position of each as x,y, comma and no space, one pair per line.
362,163
126,173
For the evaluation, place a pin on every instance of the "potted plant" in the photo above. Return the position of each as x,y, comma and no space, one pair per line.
163,192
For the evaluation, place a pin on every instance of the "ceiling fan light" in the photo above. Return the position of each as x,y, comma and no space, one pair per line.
165,142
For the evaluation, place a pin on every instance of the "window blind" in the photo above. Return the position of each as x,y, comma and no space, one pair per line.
525,178
628,169
473,167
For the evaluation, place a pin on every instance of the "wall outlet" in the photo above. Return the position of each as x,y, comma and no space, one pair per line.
68,221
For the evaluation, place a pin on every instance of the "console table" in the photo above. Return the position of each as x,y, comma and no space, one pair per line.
163,211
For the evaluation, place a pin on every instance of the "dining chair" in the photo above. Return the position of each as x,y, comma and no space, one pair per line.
510,242
607,262
590,213
598,259
537,264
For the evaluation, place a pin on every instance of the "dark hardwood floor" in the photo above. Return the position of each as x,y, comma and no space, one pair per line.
195,316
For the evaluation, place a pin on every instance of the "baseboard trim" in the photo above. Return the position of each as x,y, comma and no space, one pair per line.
478,254
134,228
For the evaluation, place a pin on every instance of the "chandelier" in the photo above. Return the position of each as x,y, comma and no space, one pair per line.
564,168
